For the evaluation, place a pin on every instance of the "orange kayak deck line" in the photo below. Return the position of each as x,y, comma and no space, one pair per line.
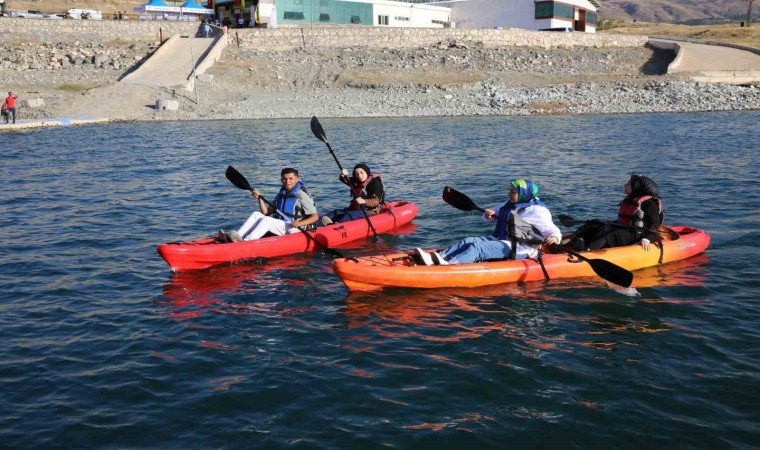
205,253
399,270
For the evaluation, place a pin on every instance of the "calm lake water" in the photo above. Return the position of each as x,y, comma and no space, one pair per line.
105,348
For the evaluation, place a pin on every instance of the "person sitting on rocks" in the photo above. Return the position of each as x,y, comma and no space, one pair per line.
367,193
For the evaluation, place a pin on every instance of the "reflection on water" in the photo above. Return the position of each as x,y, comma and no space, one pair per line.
103,345
192,293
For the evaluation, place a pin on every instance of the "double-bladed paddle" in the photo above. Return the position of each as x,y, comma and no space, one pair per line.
605,269
662,230
241,182
319,132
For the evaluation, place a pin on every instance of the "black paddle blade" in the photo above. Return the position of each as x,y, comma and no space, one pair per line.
566,220
459,200
611,272
603,268
317,129
237,179
668,233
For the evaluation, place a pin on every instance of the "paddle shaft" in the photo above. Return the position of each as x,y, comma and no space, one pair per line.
319,132
661,230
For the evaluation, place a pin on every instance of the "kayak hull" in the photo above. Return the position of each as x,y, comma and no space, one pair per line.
205,253
401,271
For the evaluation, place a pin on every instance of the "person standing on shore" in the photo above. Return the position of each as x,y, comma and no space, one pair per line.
10,105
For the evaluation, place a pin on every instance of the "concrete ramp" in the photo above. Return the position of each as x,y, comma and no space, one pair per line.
712,62
172,65
169,68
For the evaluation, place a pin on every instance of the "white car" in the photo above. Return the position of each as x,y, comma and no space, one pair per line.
28,13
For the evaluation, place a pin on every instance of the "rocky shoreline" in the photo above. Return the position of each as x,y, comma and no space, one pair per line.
447,79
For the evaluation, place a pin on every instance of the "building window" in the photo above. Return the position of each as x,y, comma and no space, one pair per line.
549,10
591,17
356,19
292,15
544,10
324,17
439,22
324,2
382,20
401,19
564,11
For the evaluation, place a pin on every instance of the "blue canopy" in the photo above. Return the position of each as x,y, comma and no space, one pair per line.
193,8
156,6
191,4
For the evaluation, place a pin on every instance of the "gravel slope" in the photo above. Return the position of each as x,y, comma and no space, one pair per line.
449,79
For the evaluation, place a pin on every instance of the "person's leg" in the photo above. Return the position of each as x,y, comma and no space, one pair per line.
611,236
474,249
586,230
350,215
455,248
257,226
12,111
481,251
620,237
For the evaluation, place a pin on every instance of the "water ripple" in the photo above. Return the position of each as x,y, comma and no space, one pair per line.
105,348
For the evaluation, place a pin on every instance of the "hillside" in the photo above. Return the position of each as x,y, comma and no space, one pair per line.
675,11
670,11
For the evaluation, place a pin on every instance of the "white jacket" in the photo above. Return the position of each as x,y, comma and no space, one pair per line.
536,215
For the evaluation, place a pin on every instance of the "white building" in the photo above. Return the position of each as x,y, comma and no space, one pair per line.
572,15
410,15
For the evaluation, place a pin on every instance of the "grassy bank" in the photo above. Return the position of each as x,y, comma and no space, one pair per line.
731,33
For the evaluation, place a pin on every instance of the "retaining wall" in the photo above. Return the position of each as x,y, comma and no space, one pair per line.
97,31
376,37
29,30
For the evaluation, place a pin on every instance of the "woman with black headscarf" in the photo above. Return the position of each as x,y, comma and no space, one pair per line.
367,192
640,210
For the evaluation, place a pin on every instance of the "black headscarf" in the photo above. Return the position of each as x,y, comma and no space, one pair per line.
363,167
642,185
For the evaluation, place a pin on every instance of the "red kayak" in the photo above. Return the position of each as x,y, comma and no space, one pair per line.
206,252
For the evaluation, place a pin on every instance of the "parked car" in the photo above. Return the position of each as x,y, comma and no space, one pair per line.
92,14
28,13
560,29
54,16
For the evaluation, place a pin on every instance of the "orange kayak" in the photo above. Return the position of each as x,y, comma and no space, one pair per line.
400,270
